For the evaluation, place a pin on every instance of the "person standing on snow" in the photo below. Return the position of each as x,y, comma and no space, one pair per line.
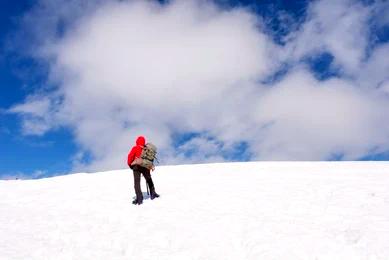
135,153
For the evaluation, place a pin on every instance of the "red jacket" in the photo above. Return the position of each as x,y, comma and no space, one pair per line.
136,151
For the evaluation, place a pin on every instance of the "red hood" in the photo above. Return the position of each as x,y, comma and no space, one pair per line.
141,141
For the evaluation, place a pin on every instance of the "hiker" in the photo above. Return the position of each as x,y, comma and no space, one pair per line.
133,161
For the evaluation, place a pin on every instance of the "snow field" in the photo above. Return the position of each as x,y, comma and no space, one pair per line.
261,210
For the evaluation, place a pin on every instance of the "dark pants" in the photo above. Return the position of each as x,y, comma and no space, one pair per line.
138,170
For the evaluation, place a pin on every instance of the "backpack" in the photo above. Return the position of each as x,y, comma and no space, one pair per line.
147,156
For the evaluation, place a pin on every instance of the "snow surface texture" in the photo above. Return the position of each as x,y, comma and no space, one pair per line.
266,210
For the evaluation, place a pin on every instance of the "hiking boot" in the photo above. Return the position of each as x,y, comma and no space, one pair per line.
137,202
154,195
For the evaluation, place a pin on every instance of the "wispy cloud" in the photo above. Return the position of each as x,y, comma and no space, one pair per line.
338,27
24,176
125,68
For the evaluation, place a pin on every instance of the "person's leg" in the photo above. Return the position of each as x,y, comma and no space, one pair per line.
149,180
138,191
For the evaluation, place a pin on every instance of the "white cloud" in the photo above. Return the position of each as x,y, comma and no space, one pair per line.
311,120
129,68
37,114
385,86
338,27
23,176
37,106
381,9
199,149
375,71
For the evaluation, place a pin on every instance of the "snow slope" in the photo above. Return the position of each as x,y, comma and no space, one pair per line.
264,210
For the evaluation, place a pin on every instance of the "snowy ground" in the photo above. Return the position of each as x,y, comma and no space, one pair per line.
268,210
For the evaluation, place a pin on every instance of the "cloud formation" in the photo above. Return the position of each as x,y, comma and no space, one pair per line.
124,68
338,27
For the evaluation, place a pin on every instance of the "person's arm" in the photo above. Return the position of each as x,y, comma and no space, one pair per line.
131,157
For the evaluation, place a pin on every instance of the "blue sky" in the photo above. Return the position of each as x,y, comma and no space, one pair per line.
39,69
25,156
